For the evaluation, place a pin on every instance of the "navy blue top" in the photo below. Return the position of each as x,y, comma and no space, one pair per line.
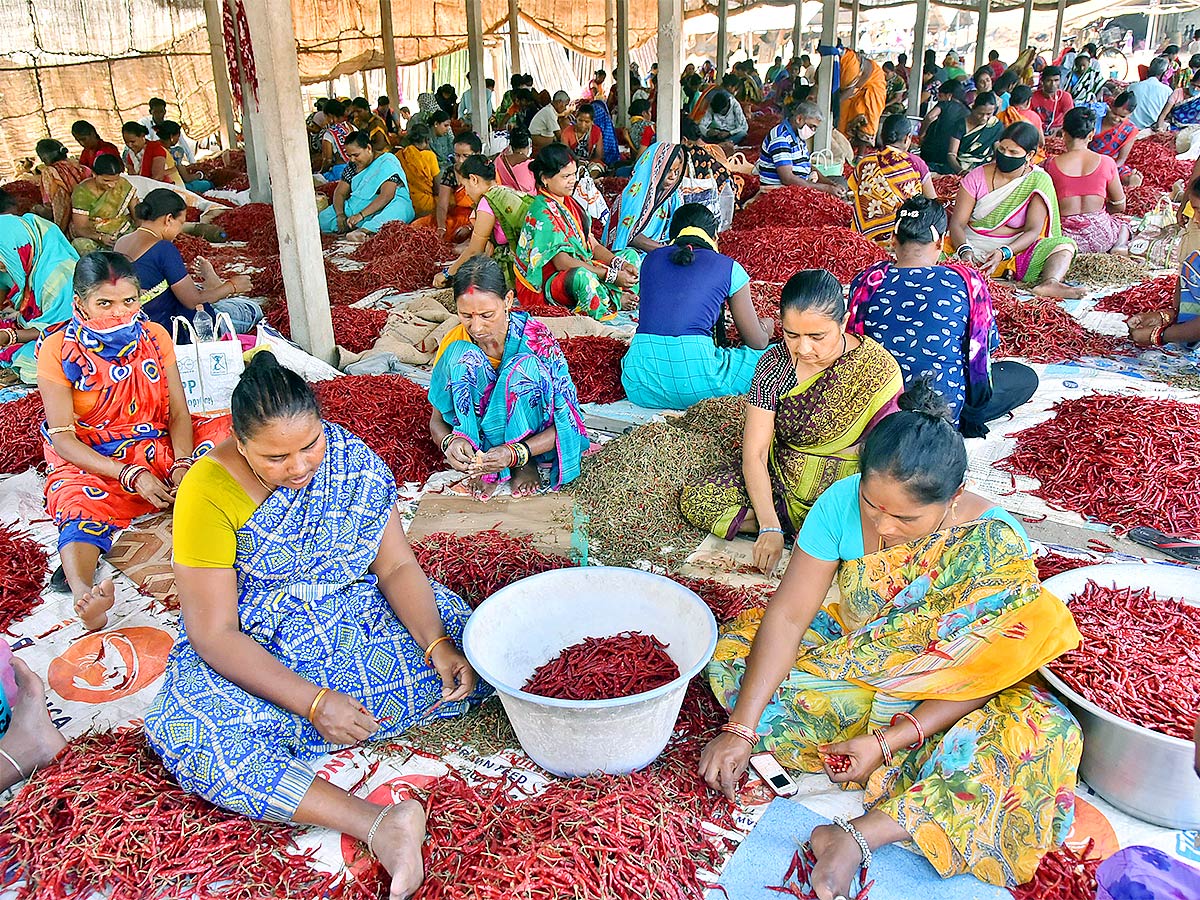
685,300
157,269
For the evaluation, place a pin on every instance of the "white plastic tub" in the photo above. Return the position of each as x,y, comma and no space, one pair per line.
531,621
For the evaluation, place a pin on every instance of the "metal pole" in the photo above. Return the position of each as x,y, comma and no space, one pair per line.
216,46
829,17
1026,18
514,37
918,58
1058,26
479,116
670,59
391,72
622,75
722,38
981,34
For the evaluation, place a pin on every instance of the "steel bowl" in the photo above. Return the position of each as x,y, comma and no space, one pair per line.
1144,773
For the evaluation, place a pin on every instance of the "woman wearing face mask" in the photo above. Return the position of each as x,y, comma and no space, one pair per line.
308,625
883,179
812,400
916,675
118,437
1182,107
1006,218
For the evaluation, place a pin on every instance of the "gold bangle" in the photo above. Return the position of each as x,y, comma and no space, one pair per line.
429,650
312,710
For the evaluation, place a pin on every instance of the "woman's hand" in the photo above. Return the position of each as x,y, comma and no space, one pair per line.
768,325
864,754
354,221
1150,319
768,550
723,762
154,491
460,454
495,460
176,477
458,678
1143,337
342,224
627,277
441,280
990,262
341,719
241,284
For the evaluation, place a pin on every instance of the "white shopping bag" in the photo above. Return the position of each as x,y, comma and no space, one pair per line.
209,370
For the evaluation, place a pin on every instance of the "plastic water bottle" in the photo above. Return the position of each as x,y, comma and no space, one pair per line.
203,323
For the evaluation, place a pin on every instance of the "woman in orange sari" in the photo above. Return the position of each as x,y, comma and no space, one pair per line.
863,89
117,436
59,175
884,179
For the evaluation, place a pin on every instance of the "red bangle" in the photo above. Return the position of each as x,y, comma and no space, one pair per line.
749,735
917,725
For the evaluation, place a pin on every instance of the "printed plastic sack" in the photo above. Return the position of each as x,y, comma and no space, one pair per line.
209,369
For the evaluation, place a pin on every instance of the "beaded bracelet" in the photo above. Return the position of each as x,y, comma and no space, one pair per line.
747,734
917,725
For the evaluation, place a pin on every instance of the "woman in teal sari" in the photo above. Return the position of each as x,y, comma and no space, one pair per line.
641,218
503,400
38,267
373,191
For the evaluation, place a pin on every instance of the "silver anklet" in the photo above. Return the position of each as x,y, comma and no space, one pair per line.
375,827
4,753
858,839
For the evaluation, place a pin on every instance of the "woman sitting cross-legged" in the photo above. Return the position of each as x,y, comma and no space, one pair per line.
118,436
812,400
913,683
503,400
681,354
307,623
372,191
937,321
1089,189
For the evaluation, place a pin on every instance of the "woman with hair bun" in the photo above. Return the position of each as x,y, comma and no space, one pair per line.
1089,189
885,178
118,437
937,321
913,682
307,624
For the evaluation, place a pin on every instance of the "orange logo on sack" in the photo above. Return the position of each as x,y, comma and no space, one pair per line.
110,665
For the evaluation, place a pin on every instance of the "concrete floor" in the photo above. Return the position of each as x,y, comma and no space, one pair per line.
1052,532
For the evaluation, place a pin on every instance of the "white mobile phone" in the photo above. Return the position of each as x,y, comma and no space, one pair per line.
776,777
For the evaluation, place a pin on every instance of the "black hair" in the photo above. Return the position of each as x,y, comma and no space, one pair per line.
1051,72
157,101
894,129
689,129
691,215
1023,134
166,128
984,98
469,139
158,203
447,90
639,107
384,100
480,165
516,80
1004,83
902,58
267,391
730,81
1194,61
102,267
518,137
993,54
693,82
720,103
480,273
419,133
135,128
1091,49
1126,100
527,80
489,83
1171,50
439,117
50,151
1022,93
107,164
361,103
335,108
359,139
954,87
930,58
985,71
551,160
8,203
1080,122
83,126
918,446
586,109
814,290
917,220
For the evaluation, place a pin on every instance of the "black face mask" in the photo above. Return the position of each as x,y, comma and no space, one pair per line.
1007,163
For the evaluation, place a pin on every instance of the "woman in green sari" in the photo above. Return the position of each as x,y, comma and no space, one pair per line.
499,217
558,259
102,207
813,399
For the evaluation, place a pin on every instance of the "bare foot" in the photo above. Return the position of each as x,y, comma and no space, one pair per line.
1135,179
32,740
838,861
1053,288
482,490
1120,251
629,300
358,236
92,608
398,848
525,480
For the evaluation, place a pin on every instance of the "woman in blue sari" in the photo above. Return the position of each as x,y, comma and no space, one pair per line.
372,192
604,121
641,218
503,400
306,624
38,264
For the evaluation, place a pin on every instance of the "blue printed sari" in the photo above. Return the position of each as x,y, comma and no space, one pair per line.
364,188
307,596
39,265
535,391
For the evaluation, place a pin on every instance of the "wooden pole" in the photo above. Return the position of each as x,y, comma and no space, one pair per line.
670,59
610,41
624,87
252,137
221,83
918,58
796,27
514,37
282,116
722,59
1026,18
854,9
391,72
1058,26
829,17
364,85
479,116
981,34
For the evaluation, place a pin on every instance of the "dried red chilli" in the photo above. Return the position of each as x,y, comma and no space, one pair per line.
594,362
776,254
105,816
1055,146
791,205
475,566
20,433
24,564
1063,874
725,601
357,329
391,415
546,310
253,223
1143,198
611,187
25,194
1157,293
797,881
399,238
604,668
1123,461
1052,564
1158,165
947,190
1039,330
1139,659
